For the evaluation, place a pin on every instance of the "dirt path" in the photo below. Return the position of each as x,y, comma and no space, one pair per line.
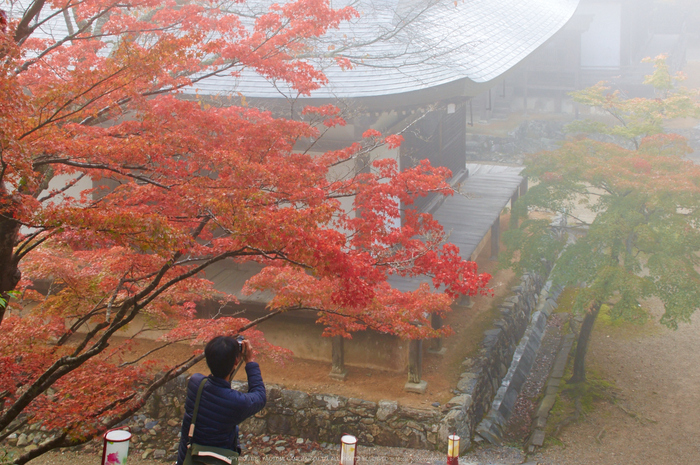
658,374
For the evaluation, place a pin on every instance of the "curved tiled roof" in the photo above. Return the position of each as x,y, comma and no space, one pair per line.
423,44
423,47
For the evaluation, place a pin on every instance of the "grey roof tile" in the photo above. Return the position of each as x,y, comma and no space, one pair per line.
478,40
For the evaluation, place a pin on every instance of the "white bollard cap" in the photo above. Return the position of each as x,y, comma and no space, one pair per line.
453,445
347,449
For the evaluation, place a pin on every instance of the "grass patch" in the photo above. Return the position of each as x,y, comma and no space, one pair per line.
565,302
605,319
575,401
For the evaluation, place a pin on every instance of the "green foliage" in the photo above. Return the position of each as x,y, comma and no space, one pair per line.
639,208
638,118
635,204
6,457
533,235
610,318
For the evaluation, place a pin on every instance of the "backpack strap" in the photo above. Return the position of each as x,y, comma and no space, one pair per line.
196,409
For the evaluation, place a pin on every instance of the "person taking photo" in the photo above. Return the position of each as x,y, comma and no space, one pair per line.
222,409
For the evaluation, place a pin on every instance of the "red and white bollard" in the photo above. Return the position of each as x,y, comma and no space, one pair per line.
348,450
452,449
115,448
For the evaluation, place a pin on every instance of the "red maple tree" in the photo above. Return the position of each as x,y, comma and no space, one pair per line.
117,191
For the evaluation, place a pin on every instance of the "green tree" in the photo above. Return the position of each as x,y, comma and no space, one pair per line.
642,201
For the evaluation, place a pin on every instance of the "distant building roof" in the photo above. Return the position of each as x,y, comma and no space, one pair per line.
423,46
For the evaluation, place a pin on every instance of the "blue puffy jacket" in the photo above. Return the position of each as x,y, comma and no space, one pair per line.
221,409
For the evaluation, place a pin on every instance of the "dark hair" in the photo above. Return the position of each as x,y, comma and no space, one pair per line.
221,353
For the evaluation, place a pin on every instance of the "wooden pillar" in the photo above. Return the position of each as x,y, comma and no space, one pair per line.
523,186
525,91
485,113
495,237
415,367
338,370
514,198
436,345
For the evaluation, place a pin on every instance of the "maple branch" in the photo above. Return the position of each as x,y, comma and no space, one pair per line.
153,290
272,314
243,328
68,185
165,90
71,37
103,111
277,255
365,150
89,336
99,166
160,381
156,349
576,218
143,330
402,264
81,321
54,117
382,37
113,404
14,428
23,30
170,89
108,313
27,245
377,143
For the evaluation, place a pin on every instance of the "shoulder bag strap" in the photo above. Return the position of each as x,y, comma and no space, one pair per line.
196,408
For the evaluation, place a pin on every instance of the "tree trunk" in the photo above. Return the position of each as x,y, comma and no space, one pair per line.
584,336
9,273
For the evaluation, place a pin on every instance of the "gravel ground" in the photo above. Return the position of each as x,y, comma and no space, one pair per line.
656,420
366,455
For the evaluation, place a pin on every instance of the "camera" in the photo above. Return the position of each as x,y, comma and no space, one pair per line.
239,340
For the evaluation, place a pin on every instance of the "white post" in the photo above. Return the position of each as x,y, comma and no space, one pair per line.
115,447
452,449
348,449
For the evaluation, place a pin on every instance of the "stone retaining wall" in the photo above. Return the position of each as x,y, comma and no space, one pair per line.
326,417
492,426
483,373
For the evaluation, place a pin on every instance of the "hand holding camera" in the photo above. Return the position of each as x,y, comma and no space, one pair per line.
245,349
